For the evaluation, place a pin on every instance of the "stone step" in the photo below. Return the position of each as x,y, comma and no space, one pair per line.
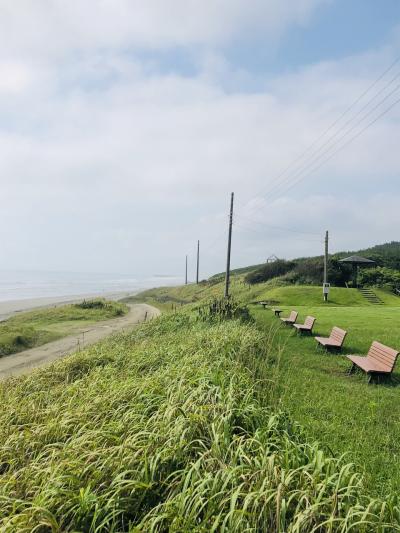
371,297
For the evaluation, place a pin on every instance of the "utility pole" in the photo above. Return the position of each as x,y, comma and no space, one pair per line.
198,262
186,279
228,258
326,288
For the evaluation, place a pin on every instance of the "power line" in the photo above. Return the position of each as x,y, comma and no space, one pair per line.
303,172
279,188
260,232
311,156
301,178
293,230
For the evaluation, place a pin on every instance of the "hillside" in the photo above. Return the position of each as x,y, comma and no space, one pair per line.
169,298
196,422
176,426
385,255
314,388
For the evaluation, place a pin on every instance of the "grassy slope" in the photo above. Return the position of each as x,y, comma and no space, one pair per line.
34,328
346,414
167,297
167,429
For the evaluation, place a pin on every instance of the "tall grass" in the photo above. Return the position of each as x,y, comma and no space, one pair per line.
165,429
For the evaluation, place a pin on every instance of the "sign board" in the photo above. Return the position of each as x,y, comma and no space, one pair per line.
325,288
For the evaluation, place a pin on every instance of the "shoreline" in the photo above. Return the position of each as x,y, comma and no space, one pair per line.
10,308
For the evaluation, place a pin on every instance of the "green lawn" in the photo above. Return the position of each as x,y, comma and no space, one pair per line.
34,328
344,413
165,297
338,296
167,428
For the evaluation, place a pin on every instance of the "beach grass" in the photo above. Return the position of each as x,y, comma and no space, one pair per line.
171,428
35,328
345,414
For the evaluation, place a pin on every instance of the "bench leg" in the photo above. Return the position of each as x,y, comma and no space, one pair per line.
352,370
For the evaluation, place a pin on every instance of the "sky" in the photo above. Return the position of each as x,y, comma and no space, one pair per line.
125,125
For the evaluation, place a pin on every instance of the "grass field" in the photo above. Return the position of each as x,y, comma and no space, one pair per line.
344,413
34,328
168,297
169,428
189,425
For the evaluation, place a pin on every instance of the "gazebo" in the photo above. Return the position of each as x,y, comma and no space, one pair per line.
356,261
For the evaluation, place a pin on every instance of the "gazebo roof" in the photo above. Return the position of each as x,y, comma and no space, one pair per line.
357,260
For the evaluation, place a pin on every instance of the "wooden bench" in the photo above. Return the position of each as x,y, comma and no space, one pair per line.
291,319
335,339
277,312
379,360
264,304
307,326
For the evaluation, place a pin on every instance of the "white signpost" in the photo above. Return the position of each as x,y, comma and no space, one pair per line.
325,290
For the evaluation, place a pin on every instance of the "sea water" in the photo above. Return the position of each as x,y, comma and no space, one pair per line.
24,285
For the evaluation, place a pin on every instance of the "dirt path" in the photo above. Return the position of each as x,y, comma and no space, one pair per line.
24,362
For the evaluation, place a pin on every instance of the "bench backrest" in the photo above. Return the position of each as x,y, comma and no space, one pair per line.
309,322
385,356
293,316
338,335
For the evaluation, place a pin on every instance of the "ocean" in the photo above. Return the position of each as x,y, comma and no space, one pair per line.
26,285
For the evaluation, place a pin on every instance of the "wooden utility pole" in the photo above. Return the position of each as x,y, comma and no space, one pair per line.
186,279
228,258
198,262
326,266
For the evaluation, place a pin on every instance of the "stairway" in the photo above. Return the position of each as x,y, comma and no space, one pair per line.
371,296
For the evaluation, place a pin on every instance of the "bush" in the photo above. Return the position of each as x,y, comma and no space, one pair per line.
311,272
224,309
383,277
92,304
269,271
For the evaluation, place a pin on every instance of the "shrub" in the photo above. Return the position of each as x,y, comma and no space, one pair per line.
311,272
269,271
92,304
382,277
224,309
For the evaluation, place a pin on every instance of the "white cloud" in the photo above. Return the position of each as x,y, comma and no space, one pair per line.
14,77
56,26
117,166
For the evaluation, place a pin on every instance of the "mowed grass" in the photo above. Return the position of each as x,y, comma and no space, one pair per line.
35,328
170,428
312,296
346,414
169,298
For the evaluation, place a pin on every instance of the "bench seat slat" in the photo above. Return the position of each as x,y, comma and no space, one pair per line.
335,339
369,365
308,324
380,359
327,341
291,319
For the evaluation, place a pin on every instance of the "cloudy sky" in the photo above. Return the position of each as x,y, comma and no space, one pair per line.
125,125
